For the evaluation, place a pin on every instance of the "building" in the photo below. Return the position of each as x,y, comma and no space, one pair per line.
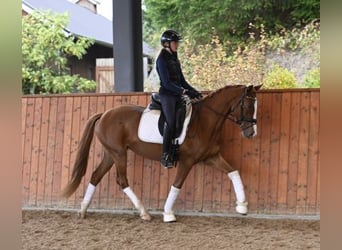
85,22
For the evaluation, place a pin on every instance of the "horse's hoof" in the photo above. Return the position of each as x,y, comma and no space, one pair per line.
83,210
241,208
146,217
82,214
169,217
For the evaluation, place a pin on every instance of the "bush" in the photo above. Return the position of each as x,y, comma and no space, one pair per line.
279,78
216,64
209,67
45,49
312,79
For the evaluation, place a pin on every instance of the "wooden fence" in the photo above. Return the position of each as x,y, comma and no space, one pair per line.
280,167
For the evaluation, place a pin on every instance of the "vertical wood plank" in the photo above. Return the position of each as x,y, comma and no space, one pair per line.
57,168
263,197
23,123
318,199
27,150
293,154
303,153
43,151
164,186
155,182
216,193
146,182
313,154
67,166
35,151
51,150
274,150
284,153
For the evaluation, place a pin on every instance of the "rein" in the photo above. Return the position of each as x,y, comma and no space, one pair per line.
242,119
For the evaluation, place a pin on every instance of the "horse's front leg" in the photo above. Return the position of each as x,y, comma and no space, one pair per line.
219,163
182,172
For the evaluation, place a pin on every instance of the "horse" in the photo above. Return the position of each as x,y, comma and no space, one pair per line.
117,131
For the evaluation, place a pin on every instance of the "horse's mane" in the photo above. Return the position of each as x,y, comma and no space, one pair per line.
213,93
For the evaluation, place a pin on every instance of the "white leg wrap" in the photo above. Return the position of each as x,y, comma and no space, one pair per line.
131,195
239,191
137,203
171,198
89,193
87,198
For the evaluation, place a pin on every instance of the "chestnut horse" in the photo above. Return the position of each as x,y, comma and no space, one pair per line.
117,130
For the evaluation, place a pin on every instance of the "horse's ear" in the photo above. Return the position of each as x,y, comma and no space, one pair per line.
257,87
249,87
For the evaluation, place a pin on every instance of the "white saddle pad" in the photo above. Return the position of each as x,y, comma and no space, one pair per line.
148,127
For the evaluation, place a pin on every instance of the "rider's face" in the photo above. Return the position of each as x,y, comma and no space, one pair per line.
174,46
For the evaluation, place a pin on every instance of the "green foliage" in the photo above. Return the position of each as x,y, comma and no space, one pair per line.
216,64
296,38
230,18
312,79
210,67
212,58
45,49
205,68
279,78
306,10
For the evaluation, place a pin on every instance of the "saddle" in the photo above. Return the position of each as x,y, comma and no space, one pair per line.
155,104
152,121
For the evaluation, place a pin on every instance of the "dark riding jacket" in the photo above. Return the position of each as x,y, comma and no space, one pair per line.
172,81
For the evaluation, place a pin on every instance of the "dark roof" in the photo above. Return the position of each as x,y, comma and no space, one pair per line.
83,22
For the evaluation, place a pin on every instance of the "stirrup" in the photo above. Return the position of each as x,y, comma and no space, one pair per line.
166,161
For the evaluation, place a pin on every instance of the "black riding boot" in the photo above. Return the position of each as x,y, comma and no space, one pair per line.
166,159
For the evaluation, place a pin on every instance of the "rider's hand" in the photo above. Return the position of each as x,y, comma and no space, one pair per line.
193,94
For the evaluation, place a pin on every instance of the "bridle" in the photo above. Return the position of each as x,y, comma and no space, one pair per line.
251,121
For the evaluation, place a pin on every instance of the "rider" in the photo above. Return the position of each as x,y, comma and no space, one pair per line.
172,86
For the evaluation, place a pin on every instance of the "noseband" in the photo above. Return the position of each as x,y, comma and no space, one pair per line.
242,119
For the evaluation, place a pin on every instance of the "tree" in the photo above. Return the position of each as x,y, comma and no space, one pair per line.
45,49
230,18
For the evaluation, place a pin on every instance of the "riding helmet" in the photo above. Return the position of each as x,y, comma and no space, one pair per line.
170,35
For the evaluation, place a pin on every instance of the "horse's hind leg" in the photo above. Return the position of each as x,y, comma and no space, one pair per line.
219,163
104,166
121,179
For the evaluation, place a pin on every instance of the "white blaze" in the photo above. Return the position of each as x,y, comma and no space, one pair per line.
255,116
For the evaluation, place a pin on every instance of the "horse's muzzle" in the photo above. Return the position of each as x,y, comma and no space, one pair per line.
249,132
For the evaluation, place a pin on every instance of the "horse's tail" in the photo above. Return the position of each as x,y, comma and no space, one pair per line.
81,162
